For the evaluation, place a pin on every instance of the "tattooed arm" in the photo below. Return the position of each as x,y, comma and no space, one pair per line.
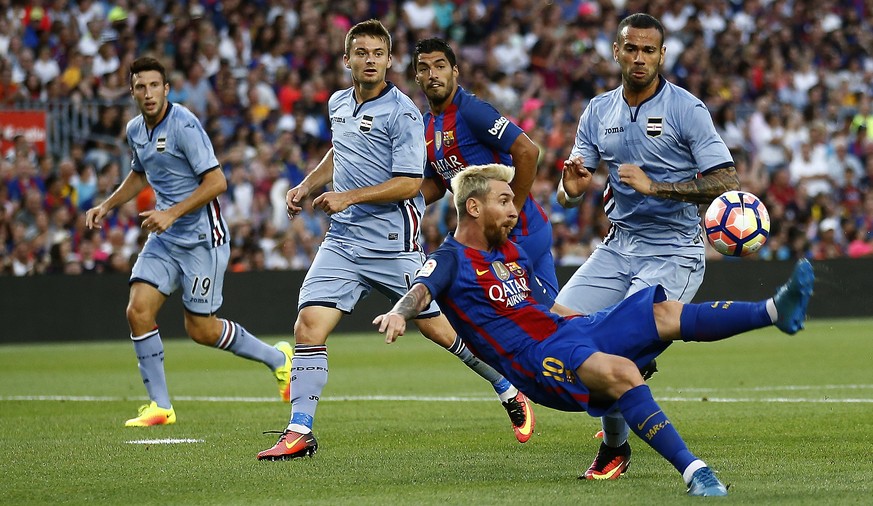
393,323
698,191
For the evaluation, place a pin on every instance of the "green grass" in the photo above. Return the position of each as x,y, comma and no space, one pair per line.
783,419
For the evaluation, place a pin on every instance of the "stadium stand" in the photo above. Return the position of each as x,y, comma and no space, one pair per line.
789,85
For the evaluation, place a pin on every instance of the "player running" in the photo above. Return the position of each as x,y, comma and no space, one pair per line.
188,244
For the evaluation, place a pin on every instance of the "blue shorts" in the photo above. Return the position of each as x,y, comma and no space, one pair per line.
342,274
626,329
609,275
538,247
198,270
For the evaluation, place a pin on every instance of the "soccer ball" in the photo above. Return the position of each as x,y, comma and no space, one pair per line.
737,224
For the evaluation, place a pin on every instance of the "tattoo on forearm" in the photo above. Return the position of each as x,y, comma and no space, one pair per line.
699,191
413,302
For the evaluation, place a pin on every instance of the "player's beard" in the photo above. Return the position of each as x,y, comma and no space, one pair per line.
438,96
636,85
497,234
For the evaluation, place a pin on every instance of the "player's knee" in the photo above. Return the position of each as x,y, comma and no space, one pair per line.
308,332
139,317
622,376
667,319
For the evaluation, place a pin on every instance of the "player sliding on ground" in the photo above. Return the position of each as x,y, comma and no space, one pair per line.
486,286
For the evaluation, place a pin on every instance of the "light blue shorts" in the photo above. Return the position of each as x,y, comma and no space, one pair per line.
610,275
199,271
342,274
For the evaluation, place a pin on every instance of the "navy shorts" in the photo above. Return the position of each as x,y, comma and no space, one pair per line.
626,329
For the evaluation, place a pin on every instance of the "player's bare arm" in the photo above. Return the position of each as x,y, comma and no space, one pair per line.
211,186
433,189
525,155
575,179
394,190
393,323
129,188
698,191
320,176
563,310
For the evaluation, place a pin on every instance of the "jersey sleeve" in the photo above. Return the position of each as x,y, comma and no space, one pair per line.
586,139
407,144
709,150
194,142
135,163
438,272
489,126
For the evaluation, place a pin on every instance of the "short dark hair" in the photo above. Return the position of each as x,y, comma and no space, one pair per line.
371,27
144,63
640,20
434,45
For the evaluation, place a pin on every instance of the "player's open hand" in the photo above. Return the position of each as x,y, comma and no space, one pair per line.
635,177
157,221
332,202
392,325
293,200
94,217
575,177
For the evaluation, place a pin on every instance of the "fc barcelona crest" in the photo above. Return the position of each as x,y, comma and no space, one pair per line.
516,269
448,138
654,127
161,145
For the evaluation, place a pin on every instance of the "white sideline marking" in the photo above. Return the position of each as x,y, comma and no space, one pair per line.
169,441
695,396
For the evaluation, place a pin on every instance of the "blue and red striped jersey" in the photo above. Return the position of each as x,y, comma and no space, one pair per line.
491,299
472,132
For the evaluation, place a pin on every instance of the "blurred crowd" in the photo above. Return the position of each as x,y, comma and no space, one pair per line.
789,85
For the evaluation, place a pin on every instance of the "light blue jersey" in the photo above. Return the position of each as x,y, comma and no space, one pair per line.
174,156
373,142
672,137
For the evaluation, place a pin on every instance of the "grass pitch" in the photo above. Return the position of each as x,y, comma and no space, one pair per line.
783,419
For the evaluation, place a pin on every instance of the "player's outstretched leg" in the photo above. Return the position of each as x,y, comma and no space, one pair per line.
517,406
650,423
521,415
792,298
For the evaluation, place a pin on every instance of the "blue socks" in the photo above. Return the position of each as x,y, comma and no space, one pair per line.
712,321
308,377
237,340
150,356
646,419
